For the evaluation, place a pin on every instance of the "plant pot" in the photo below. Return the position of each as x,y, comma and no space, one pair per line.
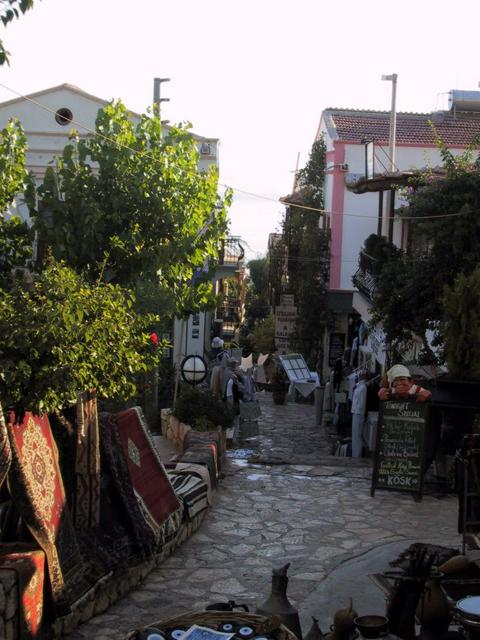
279,397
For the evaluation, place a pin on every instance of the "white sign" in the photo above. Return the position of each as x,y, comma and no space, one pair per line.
285,319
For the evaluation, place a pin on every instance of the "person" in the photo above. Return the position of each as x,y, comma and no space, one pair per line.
401,386
359,405
231,384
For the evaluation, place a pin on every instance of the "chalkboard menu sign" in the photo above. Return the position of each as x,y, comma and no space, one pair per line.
398,461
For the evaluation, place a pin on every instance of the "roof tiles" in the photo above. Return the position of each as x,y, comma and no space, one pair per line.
458,128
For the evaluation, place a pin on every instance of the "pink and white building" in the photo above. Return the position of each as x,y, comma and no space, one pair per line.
357,206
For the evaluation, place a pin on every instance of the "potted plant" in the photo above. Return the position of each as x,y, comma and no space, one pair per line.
280,385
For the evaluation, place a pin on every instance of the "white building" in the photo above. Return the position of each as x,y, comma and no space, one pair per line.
48,117
354,200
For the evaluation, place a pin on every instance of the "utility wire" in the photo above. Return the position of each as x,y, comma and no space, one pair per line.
235,189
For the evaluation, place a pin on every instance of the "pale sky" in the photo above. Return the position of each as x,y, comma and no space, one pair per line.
256,74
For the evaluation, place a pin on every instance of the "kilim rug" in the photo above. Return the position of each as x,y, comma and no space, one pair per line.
148,534
197,470
28,564
86,512
115,539
148,475
36,486
5,449
211,438
192,490
202,454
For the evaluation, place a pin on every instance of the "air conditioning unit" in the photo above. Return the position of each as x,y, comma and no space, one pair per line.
205,149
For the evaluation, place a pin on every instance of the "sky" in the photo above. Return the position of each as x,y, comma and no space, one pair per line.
256,74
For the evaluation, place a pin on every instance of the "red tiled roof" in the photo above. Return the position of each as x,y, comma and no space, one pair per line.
458,128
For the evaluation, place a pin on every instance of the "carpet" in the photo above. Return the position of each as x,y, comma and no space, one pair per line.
148,475
198,470
28,564
5,449
192,490
202,454
211,438
86,509
36,486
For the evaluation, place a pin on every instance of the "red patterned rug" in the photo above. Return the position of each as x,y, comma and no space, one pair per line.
147,473
36,487
28,564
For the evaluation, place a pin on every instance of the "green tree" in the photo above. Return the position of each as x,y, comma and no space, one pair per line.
65,335
445,233
461,326
308,256
263,335
130,206
15,236
9,10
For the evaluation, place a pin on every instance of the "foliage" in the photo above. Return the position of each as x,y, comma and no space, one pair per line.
9,10
200,408
409,297
461,326
257,305
129,205
308,251
381,250
15,236
263,335
311,177
276,269
66,335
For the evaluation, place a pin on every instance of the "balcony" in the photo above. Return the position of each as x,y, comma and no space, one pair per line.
364,278
230,257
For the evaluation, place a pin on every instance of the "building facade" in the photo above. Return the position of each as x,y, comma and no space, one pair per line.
361,190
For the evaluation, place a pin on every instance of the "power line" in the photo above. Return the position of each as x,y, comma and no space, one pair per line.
234,189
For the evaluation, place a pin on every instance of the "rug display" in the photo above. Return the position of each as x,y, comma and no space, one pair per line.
5,449
28,565
192,490
36,486
149,534
198,470
149,478
86,510
115,538
211,438
202,454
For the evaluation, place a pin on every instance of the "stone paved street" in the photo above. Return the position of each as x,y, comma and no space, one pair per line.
285,499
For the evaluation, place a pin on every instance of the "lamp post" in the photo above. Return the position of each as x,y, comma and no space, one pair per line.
393,120
157,100
388,220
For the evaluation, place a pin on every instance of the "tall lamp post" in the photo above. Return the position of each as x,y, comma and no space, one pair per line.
157,100
388,221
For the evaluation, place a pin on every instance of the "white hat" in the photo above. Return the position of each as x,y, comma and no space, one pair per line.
217,343
397,371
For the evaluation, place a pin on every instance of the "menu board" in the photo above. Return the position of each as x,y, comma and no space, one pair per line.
398,461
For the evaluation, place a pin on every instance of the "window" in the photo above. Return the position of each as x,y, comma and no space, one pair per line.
63,116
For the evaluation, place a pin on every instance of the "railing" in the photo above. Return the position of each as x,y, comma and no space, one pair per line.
364,278
232,251
367,262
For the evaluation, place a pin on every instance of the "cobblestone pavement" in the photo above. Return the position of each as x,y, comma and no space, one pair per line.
319,516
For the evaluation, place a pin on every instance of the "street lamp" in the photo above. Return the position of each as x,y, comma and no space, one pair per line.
388,222
156,93
193,369
393,120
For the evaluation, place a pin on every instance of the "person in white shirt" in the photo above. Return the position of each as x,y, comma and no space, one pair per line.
359,406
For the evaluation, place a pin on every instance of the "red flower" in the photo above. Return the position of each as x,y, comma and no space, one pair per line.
154,340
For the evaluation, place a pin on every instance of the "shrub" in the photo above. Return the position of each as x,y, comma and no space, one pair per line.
197,406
